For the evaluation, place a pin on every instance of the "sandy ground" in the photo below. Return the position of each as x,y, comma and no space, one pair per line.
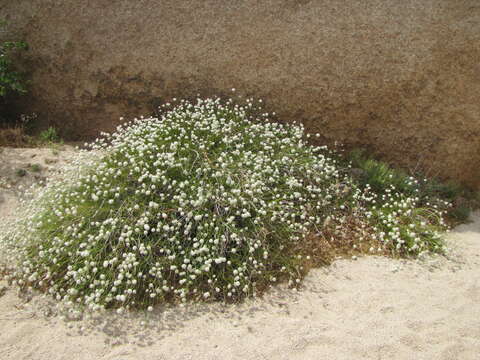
370,308
20,168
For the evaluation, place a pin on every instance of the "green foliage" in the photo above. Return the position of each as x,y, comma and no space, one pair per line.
447,190
379,175
461,213
20,172
430,191
49,135
10,79
35,168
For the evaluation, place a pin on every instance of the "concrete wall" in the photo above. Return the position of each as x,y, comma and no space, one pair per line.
401,77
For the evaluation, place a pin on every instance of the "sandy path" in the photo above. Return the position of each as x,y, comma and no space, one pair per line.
371,308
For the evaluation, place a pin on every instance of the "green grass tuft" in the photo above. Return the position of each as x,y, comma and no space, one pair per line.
49,135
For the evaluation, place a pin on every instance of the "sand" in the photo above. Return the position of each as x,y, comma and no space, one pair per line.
369,308
22,167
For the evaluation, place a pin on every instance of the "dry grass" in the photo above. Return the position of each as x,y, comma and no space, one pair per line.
356,238
14,137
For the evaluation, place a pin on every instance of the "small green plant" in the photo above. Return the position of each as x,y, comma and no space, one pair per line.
35,168
20,172
379,175
430,191
461,213
49,135
442,189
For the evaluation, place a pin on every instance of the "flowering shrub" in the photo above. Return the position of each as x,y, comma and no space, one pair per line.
208,201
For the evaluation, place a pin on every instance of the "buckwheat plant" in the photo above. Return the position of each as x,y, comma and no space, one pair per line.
207,201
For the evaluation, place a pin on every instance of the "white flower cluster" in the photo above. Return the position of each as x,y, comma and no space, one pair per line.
402,223
205,201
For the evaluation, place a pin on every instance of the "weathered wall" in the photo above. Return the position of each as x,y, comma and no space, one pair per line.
402,77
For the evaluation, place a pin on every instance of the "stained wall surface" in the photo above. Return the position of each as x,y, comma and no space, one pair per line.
399,77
